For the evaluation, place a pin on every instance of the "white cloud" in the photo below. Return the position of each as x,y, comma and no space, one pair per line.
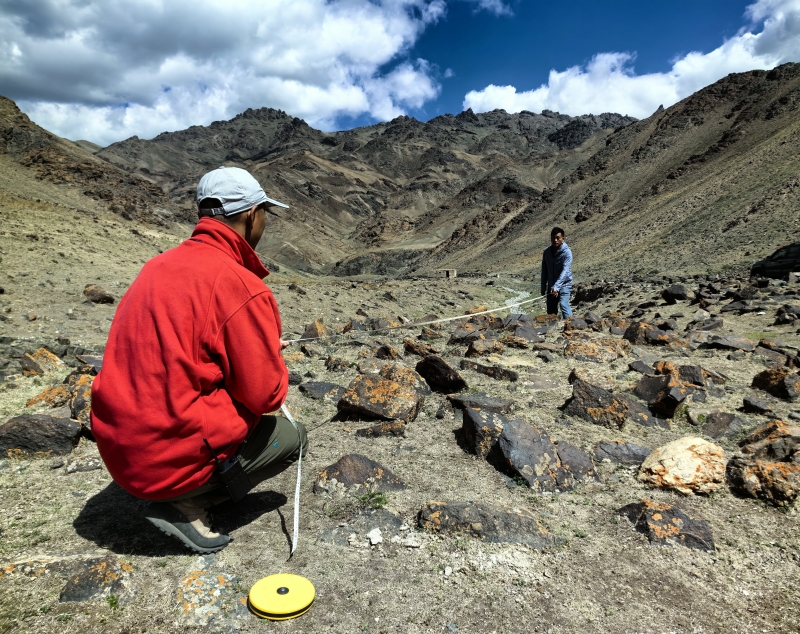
105,70
608,82
498,7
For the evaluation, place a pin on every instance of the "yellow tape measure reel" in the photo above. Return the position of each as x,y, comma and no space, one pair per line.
281,597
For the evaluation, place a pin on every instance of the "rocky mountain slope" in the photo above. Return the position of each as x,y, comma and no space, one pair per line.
708,183
51,159
403,183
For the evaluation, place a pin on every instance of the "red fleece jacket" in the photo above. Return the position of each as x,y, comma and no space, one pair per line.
193,353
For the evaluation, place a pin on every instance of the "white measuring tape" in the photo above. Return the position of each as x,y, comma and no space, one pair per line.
423,323
296,519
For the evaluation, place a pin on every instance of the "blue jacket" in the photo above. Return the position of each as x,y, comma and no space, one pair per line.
557,269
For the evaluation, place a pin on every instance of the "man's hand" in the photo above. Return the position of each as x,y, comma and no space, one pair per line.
285,344
554,292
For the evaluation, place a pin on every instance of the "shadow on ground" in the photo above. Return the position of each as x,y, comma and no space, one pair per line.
114,519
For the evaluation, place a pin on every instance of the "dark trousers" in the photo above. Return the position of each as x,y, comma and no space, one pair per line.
271,448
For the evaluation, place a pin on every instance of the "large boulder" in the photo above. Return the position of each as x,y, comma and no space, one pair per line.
33,433
677,292
769,467
487,522
687,465
395,394
531,454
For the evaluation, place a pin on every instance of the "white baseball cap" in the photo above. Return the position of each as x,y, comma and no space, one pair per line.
235,188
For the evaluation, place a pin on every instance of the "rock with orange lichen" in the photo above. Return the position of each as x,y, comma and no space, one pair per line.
487,522
389,428
662,393
420,348
97,578
52,396
688,465
81,402
545,466
481,430
665,524
40,362
98,295
203,596
601,407
396,393
597,350
780,382
770,467
482,347
356,472
317,330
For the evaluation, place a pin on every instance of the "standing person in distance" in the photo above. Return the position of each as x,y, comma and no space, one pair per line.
193,371
556,278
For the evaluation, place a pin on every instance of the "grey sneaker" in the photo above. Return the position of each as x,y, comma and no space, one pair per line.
189,523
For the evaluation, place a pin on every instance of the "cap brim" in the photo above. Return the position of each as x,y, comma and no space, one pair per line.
276,203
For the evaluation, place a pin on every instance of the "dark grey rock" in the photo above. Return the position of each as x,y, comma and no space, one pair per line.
482,401
481,430
33,433
355,471
724,425
531,454
601,407
665,524
621,452
641,367
439,375
752,405
494,371
322,390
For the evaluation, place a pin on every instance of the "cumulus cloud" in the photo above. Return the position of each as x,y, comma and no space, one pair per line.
105,70
608,83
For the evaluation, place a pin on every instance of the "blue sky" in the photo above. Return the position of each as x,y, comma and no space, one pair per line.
521,49
78,68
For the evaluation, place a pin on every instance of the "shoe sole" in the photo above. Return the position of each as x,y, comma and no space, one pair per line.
168,529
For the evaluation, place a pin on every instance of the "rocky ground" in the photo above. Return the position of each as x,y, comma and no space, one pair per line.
616,473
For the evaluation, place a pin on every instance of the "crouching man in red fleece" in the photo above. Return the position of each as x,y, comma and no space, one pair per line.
193,364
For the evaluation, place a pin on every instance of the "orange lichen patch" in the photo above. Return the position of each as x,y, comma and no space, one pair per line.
615,413
476,309
52,396
204,593
666,367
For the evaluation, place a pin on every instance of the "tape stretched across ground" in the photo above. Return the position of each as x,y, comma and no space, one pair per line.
423,323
